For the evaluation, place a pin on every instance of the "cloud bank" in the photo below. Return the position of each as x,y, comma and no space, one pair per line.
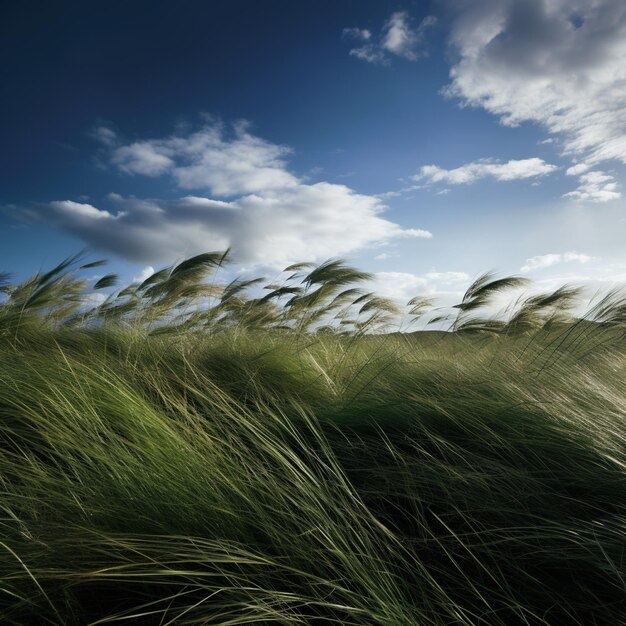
251,202
558,63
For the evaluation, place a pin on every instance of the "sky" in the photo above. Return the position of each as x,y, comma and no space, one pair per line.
425,142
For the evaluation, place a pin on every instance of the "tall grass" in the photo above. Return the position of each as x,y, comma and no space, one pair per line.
188,452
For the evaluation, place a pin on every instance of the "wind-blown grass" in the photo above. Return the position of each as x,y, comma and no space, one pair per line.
187,454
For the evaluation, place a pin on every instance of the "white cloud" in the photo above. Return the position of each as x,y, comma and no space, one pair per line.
145,273
104,135
401,286
398,38
274,218
78,210
370,54
143,157
361,34
548,260
274,228
448,277
94,298
208,159
445,287
401,39
486,168
399,192
595,187
558,63
577,169
417,232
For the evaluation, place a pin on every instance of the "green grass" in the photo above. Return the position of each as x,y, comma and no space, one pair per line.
262,472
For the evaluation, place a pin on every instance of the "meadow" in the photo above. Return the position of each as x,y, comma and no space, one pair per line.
187,451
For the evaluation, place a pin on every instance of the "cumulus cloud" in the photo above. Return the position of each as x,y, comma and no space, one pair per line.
273,228
209,159
486,168
558,63
548,260
266,213
398,37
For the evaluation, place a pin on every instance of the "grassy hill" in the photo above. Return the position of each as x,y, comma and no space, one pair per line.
168,468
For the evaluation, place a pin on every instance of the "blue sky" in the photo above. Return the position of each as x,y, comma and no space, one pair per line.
425,142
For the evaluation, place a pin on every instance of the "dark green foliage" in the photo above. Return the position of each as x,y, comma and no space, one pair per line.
108,280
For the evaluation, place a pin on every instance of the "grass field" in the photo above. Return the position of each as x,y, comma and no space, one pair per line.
182,453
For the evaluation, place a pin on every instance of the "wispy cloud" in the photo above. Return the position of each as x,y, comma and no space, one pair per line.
384,256
104,135
401,39
360,34
447,278
398,37
399,192
485,168
595,186
548,260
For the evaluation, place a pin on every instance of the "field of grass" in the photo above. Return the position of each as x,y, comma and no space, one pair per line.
182,453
